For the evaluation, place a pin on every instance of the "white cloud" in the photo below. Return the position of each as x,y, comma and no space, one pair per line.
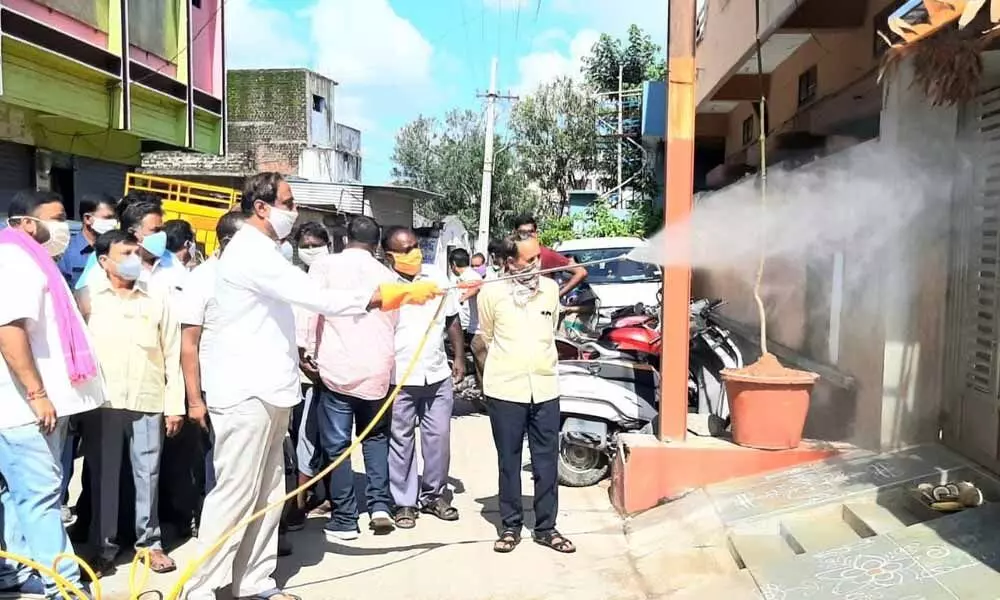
506,4
258,37
350,111
545,65
364,42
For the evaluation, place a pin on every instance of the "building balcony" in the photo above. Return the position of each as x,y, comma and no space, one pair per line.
726,52
103,78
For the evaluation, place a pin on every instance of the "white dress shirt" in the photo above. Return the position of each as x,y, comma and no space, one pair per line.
26,296
256,354
432,366
197,306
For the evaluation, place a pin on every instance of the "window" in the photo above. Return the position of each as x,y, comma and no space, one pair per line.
319,103
196,3
808,84
748,130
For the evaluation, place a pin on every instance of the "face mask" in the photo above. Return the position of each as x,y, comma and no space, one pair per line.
58,237
309,255
282,221
286,251
527,276
102,226
155,243
408,264
129,268
481,269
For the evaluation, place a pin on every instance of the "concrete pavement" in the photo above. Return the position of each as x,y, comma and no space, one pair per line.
443,561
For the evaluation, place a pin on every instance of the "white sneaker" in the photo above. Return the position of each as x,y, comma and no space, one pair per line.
342,536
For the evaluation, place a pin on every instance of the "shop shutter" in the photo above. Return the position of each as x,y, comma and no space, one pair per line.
17,167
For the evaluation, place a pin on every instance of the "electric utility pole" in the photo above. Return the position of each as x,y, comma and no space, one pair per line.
621,126
483,236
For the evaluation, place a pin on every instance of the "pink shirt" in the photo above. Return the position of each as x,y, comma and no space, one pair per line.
355,355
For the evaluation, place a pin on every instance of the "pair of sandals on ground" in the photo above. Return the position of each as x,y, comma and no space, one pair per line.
406,518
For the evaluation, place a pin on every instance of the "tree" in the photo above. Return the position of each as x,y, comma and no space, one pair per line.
641,60
553,132
446,157
640,56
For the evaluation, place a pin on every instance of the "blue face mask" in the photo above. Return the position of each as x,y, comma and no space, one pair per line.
155,243
129,268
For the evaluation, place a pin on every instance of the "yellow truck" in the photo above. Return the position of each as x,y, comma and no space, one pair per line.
199,204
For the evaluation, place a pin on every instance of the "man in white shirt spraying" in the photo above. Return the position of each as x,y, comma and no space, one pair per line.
258,363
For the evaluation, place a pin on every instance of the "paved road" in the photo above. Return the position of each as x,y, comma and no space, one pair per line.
443,561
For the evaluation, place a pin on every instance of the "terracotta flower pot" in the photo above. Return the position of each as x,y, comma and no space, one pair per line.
768,403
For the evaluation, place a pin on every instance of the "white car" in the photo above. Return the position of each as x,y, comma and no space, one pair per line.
616,283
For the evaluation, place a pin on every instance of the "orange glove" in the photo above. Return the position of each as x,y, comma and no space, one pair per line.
395,295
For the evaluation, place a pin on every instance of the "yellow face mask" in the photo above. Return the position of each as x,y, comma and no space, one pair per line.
408,264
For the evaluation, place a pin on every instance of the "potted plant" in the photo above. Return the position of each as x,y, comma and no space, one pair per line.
768,402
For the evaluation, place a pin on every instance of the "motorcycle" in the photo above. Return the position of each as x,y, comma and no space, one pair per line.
609,386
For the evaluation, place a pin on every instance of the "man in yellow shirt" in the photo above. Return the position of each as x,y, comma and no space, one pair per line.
137,342
518,319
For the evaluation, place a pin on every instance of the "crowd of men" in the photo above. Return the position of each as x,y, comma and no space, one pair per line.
180,381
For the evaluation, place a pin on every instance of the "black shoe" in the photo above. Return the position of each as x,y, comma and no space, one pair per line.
284,546
295,520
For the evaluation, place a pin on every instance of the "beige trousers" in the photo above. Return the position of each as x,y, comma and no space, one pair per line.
250,474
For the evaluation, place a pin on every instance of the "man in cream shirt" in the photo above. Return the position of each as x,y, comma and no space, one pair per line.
137,339
518,318
258,362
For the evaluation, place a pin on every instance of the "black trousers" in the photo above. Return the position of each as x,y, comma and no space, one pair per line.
540,421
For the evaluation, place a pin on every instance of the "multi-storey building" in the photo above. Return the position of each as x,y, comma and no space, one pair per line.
280,120
88,86
908,338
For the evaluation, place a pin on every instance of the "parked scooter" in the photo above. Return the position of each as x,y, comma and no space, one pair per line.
608,391
599,400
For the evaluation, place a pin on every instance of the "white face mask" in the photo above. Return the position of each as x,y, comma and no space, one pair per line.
102,226
282,221
58,237
309,255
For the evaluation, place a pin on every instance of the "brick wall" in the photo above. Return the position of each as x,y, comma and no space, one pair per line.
267,112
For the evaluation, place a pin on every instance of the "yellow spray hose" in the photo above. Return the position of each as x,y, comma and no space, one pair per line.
69,591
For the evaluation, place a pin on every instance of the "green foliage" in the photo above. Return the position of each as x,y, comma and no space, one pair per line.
554,148
642,60
556,229
553,131
599,221
640,56
446,157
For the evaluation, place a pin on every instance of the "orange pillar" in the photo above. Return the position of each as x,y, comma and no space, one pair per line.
678,199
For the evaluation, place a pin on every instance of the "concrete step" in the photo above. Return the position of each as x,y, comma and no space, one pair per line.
816,531
869,519
752,550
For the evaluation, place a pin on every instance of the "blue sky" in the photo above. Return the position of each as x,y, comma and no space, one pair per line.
397,59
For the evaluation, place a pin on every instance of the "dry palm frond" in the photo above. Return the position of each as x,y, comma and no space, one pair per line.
947,67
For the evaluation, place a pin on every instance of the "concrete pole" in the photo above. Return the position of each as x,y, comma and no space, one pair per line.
483,238
678,200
